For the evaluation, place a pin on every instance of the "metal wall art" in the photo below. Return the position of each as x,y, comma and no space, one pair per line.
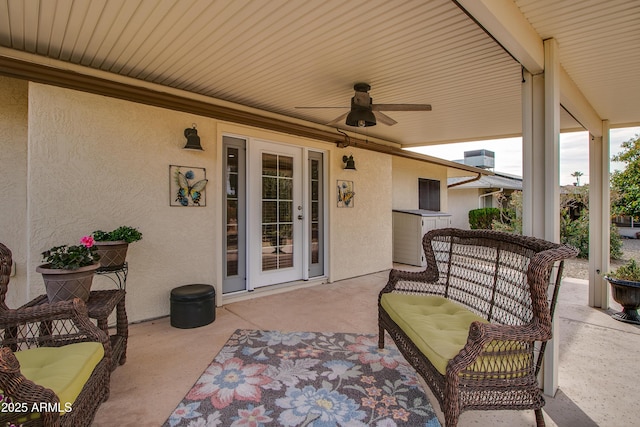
345,194
187,186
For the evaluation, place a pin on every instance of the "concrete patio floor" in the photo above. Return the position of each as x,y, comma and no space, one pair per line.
598,375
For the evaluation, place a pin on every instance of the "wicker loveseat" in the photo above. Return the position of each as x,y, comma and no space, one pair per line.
475,322
54,362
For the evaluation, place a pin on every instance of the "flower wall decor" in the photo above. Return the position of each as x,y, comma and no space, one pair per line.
187,186
345,194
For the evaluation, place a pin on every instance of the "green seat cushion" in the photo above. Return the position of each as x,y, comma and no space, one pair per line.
437,326
65,370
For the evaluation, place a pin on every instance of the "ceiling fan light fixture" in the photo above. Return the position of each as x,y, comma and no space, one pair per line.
361,117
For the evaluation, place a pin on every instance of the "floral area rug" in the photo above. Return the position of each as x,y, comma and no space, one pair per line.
270,378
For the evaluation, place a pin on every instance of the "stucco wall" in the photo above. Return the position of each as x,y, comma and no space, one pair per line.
460,203
361,238
405,182
13,182
97,163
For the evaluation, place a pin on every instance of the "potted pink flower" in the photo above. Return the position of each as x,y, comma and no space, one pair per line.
68,270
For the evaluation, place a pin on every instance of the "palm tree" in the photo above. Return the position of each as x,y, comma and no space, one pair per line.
577,175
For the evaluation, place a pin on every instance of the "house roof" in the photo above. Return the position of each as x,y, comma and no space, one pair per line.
499,180
275,56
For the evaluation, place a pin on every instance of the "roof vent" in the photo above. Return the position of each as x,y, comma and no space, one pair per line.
483,159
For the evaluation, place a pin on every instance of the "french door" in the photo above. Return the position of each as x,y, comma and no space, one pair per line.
274,217
276,213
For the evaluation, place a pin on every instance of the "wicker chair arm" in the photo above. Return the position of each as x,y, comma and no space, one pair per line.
481,334
23,392
486,332
74,310
395,276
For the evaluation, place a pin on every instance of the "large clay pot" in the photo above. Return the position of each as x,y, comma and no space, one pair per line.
627,294
65,285
112,254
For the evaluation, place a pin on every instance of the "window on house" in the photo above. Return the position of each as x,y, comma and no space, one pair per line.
429,194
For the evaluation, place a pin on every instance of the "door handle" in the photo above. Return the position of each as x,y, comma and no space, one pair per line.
301,217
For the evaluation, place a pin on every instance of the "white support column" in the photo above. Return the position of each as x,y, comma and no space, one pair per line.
599,218
551,141
551,191
533,166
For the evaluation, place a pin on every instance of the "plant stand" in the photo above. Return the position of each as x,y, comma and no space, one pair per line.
118,275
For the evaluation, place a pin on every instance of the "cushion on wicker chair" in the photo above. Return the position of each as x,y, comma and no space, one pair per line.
437,326
65,370
440,327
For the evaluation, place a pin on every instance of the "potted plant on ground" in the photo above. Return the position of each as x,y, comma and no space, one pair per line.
112,246
68,270
625,284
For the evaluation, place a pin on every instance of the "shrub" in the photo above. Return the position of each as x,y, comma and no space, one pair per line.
483,218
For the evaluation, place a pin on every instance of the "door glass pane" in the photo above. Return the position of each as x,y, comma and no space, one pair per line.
232,160
285,189
269,164
231,255
315,258
232,250
277,212
269,188
285,166
284,212
316,264
269,215
269,247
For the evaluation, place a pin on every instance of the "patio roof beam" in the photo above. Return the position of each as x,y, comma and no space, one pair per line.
71,79
504,22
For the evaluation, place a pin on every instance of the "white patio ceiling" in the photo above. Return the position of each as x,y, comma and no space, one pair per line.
277,55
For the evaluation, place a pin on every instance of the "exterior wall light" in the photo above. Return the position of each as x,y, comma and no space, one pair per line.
193,140
349,163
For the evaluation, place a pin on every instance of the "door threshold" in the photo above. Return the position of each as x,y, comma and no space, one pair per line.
278,288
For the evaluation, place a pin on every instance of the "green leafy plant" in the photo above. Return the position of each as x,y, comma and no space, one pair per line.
574,221
483,218
72,257
126,233
629,271
625,183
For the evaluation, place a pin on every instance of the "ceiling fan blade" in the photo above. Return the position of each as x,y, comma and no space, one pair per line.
307,108
401,107
384,119
340,118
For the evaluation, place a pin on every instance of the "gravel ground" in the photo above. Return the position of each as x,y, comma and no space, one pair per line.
579,268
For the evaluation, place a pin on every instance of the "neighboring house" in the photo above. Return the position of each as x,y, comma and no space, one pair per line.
481,191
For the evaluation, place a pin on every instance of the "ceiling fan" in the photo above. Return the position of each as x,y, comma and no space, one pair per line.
365,113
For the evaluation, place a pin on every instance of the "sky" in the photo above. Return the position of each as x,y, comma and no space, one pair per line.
574,152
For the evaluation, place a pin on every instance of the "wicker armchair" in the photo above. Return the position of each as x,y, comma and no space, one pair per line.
502,280
56,326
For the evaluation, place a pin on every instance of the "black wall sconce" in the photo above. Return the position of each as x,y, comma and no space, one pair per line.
349,163
193,140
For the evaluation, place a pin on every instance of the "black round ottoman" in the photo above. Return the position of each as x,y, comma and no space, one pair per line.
193,306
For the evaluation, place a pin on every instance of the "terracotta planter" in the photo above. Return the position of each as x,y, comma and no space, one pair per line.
627,294
65,285
112,254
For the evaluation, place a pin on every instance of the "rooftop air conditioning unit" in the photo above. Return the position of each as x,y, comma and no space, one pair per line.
483,159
